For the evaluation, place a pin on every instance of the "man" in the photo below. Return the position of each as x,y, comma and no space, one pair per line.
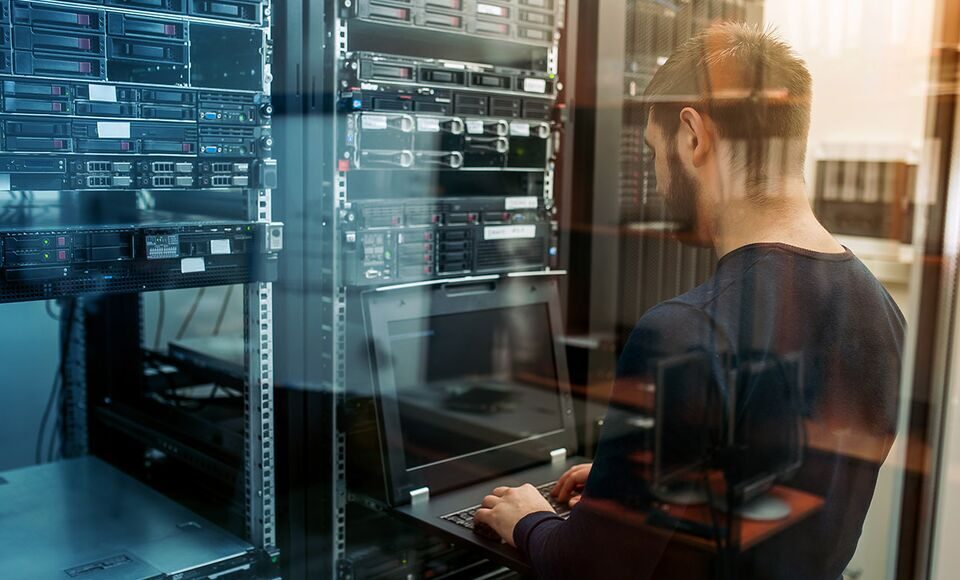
728,119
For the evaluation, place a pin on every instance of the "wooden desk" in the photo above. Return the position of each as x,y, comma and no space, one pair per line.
680,555
802,505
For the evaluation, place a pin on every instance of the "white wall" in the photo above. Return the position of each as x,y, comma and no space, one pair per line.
870,65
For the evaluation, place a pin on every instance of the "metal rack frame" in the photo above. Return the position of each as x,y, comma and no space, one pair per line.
112,331
312,357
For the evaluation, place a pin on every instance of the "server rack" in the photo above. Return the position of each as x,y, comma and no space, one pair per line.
137,143
430,139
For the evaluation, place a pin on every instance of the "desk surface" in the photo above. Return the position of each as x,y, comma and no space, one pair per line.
802,506
840,440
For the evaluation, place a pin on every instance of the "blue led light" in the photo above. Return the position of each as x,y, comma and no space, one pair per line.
357,104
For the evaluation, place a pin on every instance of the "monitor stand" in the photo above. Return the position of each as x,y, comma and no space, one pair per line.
682,494
763,508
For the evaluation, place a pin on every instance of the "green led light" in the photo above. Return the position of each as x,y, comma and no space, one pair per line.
46,241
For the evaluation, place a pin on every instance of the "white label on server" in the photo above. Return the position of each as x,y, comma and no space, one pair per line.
509,232
428,125
4,182
474,127
219,246
369,86
532,85
191,265
102,93
113,130
525,202
519,129
491,9
373,122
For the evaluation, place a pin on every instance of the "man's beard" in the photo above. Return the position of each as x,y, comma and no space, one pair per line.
680,197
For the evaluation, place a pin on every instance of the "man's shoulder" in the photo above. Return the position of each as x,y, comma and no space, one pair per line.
667,314
672,322
668,329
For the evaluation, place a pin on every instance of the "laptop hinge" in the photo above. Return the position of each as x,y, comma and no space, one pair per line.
420,496
558,456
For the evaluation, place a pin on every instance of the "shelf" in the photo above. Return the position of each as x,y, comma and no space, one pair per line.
83,518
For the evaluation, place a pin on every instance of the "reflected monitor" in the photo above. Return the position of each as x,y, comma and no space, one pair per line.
768,436
687,427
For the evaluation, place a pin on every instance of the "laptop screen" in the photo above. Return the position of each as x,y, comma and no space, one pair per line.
474,381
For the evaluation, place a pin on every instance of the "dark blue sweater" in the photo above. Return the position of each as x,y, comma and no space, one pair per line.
771,301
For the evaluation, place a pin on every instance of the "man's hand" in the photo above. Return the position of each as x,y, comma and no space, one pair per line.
508,505
571,483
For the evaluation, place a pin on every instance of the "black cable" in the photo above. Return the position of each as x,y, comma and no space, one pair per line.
57,424
189,316
161,315
38,448
223,311
48,305
59,381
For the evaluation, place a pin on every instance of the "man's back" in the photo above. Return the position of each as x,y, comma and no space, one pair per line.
766,302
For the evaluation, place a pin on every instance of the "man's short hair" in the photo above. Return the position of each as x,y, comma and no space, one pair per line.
751,84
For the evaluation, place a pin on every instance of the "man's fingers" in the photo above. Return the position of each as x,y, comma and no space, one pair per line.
500,491
490,501
574,501
484,516
577,477
567,475
562,492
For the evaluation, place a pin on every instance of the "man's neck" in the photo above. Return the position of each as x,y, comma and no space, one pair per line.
789,220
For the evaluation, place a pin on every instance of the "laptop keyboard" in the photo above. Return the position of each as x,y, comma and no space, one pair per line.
465,517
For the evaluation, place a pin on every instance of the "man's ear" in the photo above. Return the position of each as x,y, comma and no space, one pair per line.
694,130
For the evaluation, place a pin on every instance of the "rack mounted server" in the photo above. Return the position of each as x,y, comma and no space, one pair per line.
44,262
417,239
91,95
528,21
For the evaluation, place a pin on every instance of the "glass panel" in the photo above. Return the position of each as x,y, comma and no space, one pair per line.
564,288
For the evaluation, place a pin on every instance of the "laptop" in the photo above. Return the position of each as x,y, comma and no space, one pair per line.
472,393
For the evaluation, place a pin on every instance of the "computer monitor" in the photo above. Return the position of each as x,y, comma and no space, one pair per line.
768,437
751,430
688,427
471,381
